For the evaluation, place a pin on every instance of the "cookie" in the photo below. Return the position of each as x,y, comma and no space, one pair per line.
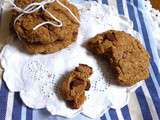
46,35
155,4
73,87
35,48
126,55
101,43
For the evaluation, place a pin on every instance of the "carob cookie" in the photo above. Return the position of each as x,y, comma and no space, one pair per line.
127,57
46,38
73,87
34,48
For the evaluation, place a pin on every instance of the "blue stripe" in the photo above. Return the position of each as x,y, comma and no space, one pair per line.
135,2
29,114
146,40
103,117
132,16
105,2
125,113
17,107
154,95
113,114
145,34
120,7
156,71
143,104
3,101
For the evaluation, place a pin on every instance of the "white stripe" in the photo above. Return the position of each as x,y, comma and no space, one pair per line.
79,117
34,114
155,81
125,8
107,115
42,115
23,113
119,114
150,102
134,107
9,106
113,3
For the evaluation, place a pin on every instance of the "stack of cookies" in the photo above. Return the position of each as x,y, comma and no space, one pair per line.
47,38
125,54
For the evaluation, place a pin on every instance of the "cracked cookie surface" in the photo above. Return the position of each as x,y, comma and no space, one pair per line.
74,86
127,57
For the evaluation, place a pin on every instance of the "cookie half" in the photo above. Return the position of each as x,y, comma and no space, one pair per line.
126,55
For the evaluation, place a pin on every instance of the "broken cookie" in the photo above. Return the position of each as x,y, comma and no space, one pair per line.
74,86
125,54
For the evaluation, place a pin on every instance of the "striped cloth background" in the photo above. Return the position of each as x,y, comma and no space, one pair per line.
144,103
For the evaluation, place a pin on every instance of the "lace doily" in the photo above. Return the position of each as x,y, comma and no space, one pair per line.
36,77
154,13
154,16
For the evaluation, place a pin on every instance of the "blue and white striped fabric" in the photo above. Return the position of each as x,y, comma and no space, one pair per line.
144,103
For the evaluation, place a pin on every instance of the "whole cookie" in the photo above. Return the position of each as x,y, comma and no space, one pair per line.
73,87
34,48
127,57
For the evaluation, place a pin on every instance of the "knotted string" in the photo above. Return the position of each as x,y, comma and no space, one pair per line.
33,7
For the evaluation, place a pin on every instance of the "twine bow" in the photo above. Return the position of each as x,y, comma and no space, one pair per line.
33,7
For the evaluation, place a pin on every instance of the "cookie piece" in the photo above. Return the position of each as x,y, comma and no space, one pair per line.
101,43
73,87
127,57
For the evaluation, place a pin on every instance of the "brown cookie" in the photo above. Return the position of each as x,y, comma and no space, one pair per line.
73,87
155,4
34,48
46,35
127,57
101,43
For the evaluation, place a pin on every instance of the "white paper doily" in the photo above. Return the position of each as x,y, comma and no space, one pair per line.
154,16
36,76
